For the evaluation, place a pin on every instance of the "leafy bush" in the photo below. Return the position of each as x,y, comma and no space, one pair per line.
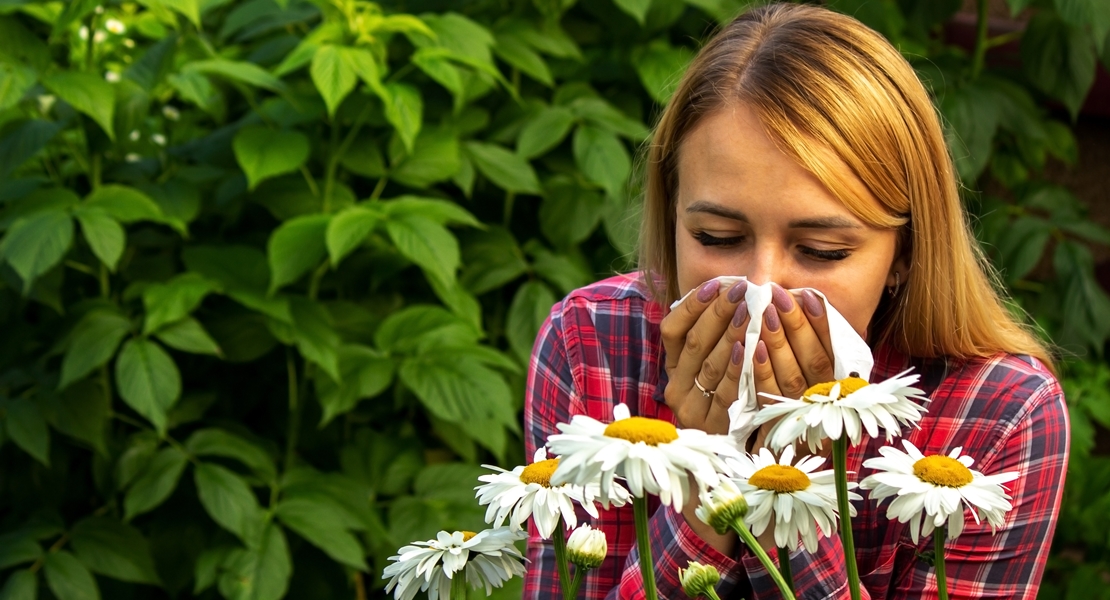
272,269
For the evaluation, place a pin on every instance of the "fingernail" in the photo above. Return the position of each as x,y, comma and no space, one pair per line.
740,315
737,291
813,304
708,290
737,353
761,352
781,298
771,318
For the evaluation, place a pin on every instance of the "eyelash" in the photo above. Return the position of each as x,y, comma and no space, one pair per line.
710,241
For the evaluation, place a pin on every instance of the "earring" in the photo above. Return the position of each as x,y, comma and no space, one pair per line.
893,290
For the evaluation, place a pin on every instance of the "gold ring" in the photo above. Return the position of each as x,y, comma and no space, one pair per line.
704,392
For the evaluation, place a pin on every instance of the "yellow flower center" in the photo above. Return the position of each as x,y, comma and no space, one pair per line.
942,470
642,429
783,479
467,535
848,385
540,472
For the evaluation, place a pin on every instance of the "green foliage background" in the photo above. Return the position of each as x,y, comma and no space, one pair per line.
270,270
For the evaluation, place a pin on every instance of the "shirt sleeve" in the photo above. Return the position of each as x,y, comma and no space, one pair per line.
1006,564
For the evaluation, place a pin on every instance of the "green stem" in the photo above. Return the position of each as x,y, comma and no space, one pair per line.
379,188
560,540
746,536
784,567
317,275
329,175
458,585
508,216
840,464
579,573
294,410
979,57
647,566
939,535
712,593
105,285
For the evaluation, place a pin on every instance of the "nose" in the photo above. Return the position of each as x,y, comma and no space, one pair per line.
768,264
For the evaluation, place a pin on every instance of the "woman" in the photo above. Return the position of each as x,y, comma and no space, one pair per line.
801,149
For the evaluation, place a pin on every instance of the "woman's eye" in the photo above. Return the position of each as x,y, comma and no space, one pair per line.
711,240
824,254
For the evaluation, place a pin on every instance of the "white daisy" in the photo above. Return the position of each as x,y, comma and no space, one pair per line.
699,580
653,456
158,138
171,113
488,558
802,501
115,26
931,491
722,506
587,547
847,406
526,491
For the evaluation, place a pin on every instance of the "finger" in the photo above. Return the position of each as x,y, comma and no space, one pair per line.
674,327
763,375
788,373
810,355
703,338
814,308
728,391
715,365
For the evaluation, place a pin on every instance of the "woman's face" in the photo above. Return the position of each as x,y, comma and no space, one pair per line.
746,208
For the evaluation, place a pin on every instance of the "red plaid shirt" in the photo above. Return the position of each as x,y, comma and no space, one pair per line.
601,347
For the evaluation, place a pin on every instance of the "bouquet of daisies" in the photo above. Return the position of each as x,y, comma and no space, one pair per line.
595,465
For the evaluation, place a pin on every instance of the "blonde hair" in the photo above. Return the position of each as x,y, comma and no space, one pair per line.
836,95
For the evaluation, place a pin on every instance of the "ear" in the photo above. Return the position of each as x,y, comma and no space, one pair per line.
901,266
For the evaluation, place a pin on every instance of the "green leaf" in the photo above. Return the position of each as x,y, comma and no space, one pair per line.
74,10
189,8
319,524
26,427
25,141
443,212
188,335
602,158
104,234
333,76
491,259
82,412
428,244
229,501
363,373
1059,59
434,157
456,387
156,482
21,585
443,71
114,549
295,247
264,153
95,339
637,9
314,335
68,578
364,157
660,67
36,243
148,380
124,204
260,572
88,93
515,50
602,114
565,273
348,229
233,267
217,442
18,547
15,81
404,110
407,328
531,306
242,72
545,131
569,214
172,301
197,89
1022,245
153,66
509,171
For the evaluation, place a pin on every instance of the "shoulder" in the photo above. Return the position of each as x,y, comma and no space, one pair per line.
618,298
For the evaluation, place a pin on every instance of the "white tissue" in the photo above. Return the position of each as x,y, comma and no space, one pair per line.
850,353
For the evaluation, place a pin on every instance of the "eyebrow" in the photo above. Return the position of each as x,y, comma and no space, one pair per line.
829,222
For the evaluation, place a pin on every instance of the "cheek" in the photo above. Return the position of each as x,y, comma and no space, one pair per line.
856,302
697,265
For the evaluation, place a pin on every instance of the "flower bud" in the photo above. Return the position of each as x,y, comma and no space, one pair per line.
587,547
723,506
698,579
